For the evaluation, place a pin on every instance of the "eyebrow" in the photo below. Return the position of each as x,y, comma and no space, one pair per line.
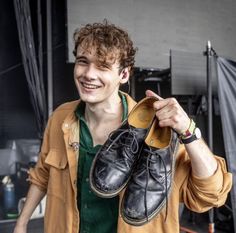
105,64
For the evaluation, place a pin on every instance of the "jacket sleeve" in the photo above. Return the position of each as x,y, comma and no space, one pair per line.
201,194
39,174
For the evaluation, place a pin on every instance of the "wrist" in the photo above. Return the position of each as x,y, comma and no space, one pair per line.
22,221
191,134
189,131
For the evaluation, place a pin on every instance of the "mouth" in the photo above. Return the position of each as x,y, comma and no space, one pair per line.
90,86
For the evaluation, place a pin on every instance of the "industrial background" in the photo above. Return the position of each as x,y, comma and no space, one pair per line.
171,36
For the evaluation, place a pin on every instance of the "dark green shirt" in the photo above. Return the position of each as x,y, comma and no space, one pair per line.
97,215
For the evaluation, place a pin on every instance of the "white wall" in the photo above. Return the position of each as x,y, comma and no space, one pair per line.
156,26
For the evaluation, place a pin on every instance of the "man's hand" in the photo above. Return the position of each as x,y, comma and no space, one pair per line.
170,113
19,228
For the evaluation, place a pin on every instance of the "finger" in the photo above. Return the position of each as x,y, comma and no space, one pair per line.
166,123
150,93
161,104
164,113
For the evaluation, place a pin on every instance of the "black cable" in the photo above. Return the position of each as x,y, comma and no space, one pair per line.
33,69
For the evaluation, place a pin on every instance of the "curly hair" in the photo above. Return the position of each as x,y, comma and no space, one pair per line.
109,42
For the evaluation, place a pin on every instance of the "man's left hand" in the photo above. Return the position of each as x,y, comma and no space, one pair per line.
170,113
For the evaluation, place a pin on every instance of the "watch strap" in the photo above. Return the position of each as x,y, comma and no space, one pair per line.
195,136
189,139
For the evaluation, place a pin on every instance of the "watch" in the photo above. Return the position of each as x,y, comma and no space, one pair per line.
195,136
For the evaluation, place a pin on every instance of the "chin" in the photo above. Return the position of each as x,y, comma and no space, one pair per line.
88,98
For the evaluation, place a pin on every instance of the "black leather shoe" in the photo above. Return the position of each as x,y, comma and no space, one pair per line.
148,189
113,164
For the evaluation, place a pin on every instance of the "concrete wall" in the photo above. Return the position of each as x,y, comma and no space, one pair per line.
157,26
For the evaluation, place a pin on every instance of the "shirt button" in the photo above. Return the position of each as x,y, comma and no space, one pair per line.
85,206
87,179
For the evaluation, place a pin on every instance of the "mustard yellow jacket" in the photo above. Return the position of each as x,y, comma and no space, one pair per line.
56,174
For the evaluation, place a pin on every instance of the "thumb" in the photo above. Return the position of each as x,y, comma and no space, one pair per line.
150,93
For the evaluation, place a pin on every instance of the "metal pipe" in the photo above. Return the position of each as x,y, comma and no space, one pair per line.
211,225
209,96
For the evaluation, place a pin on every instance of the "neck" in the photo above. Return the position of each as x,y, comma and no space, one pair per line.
104,112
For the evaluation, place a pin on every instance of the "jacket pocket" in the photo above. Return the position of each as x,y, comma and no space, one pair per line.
58,174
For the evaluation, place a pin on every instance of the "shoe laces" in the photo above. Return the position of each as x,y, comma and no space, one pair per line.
131,143
149,168
126,138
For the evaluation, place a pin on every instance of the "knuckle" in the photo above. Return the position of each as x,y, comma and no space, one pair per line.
175,119
173,100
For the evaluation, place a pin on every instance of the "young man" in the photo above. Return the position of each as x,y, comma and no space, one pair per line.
104,58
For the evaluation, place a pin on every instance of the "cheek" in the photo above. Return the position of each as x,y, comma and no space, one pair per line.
112,79
75,71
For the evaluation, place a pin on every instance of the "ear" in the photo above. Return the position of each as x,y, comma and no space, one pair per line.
125,73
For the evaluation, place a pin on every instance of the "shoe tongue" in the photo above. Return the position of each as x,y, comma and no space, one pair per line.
137,134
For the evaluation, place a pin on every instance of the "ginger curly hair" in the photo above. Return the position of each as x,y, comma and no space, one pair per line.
109,42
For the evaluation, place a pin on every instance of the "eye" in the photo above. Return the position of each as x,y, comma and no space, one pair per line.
104,67
81,61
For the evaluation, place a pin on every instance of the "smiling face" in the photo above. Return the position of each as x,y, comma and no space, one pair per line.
98,82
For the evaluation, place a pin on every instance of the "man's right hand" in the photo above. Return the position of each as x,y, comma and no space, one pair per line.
20,228
34,196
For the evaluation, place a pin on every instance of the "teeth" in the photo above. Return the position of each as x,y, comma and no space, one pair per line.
90,86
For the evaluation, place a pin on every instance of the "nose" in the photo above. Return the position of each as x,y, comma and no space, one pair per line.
90,72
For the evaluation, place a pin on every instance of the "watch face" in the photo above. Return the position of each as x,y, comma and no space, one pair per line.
198,133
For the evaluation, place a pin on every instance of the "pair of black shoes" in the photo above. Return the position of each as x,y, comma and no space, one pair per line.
139,156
